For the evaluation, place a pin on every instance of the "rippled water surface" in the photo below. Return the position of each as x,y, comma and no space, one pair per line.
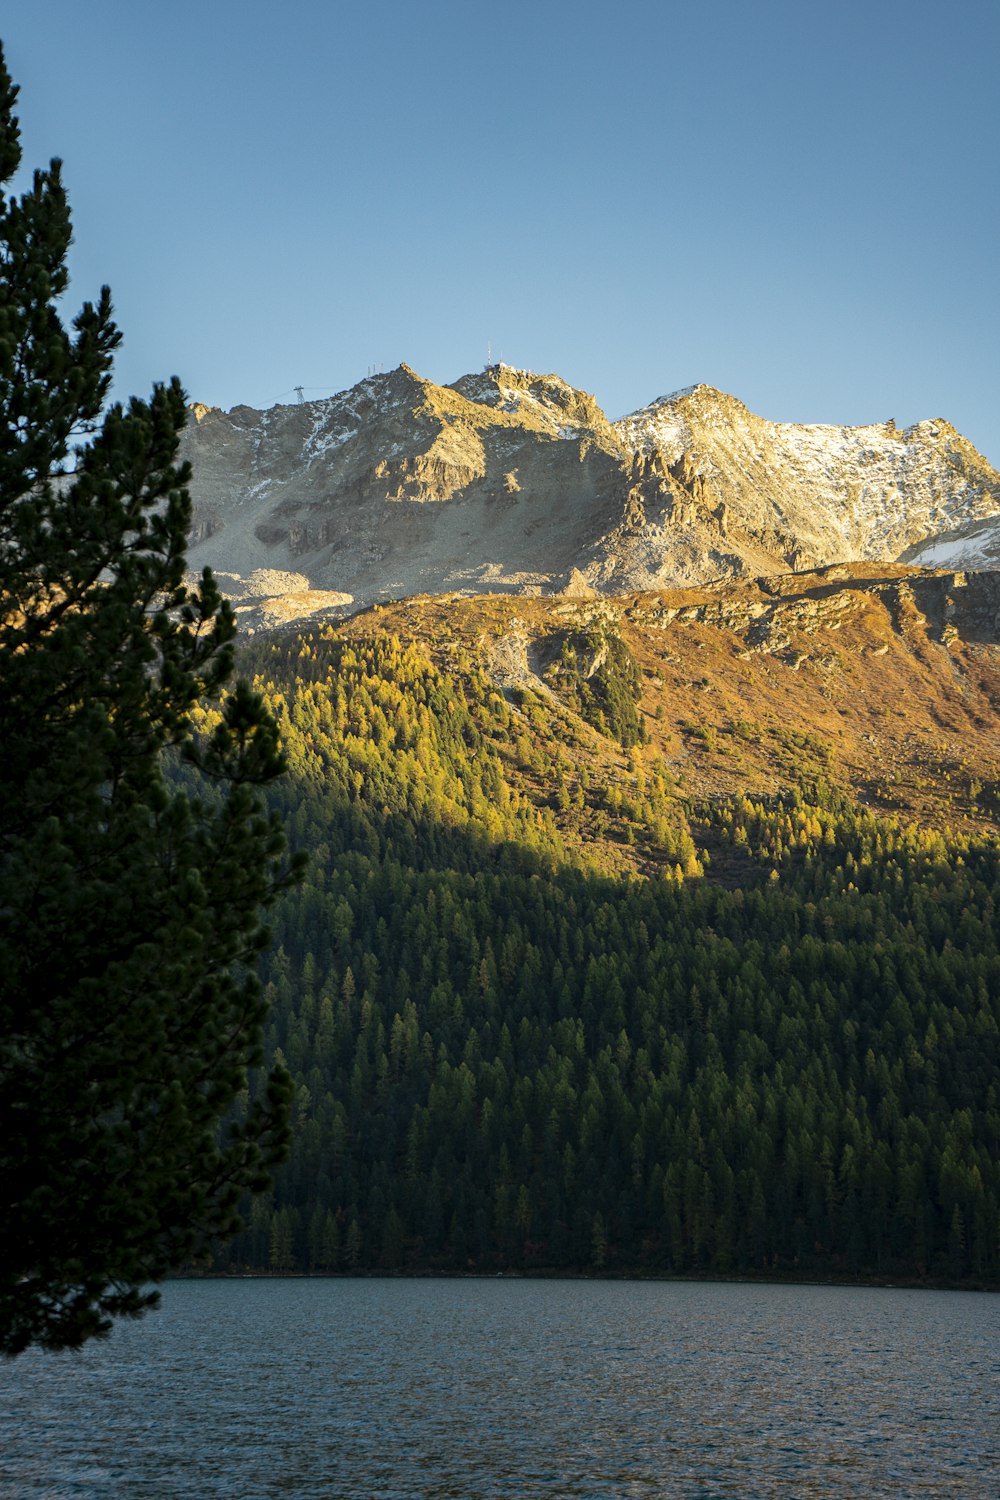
486,1388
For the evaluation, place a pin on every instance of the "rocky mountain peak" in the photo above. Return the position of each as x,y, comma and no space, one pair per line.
512,481
528,396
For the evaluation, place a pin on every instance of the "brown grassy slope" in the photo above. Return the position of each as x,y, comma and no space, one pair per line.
881,680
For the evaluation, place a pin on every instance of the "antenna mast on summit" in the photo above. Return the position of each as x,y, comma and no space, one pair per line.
489,354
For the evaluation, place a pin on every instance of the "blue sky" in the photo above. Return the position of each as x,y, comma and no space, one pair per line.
794,202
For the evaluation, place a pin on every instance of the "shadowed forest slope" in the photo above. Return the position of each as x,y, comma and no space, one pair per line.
656,935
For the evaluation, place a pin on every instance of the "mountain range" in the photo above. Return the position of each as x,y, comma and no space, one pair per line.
512,482
649,923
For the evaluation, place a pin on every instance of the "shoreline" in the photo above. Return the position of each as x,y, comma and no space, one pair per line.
911,1284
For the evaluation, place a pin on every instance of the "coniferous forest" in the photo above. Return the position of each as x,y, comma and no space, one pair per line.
767,1043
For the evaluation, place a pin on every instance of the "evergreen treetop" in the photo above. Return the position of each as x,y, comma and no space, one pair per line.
135,856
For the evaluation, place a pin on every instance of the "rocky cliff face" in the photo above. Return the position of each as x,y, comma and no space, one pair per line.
816,493
975,545
508,481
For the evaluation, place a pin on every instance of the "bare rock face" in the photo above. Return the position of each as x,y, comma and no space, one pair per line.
268,598
975,545
509,481
815,494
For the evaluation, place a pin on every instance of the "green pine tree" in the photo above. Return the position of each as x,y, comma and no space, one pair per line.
135,854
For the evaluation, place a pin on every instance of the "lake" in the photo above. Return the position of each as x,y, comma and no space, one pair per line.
481,1388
